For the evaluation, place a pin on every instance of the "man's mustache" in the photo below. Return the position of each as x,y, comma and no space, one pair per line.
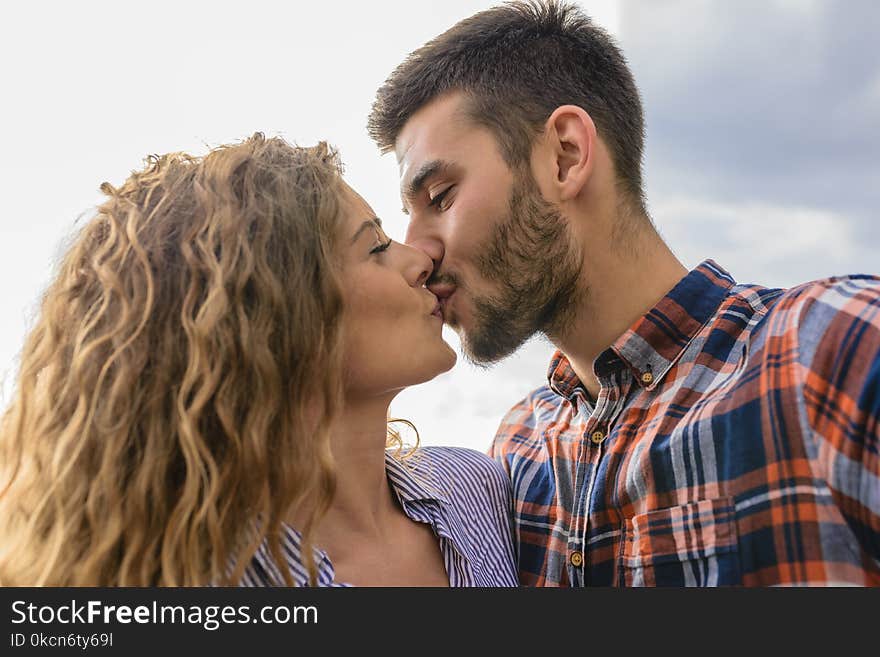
442,278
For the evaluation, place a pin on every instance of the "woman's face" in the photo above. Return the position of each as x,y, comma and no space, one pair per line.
392,322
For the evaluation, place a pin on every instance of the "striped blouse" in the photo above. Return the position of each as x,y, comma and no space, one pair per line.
735,441
465,497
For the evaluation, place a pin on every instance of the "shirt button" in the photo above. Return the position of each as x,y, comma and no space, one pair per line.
577,559
597,437
647,377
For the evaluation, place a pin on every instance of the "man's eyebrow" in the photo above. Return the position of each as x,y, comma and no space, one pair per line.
373,222
414,187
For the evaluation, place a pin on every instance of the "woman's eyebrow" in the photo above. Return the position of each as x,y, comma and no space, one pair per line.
373,222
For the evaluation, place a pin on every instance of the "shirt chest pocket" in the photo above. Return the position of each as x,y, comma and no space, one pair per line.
690,545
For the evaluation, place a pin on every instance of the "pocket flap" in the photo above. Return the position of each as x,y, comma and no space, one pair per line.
681,533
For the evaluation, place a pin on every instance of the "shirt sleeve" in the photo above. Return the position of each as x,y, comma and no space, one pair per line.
839,351
500,495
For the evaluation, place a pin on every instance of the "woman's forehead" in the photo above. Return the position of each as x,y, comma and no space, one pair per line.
353,201
356,217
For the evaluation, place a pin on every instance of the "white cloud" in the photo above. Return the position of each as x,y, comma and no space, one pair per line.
760,242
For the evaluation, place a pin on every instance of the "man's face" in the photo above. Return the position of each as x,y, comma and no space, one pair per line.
504,264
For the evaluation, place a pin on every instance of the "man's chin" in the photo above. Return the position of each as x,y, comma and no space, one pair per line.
484,350
488,332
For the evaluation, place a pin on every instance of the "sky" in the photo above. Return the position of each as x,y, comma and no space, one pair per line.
762,151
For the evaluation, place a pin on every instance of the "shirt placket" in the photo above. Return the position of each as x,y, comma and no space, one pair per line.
582,476
590,452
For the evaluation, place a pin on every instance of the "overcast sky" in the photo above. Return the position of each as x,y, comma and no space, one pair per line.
763,145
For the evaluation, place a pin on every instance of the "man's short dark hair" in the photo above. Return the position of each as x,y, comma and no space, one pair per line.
516,63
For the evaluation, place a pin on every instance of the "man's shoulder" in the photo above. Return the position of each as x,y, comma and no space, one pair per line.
830,304
522,429
829,323
837,291
539,407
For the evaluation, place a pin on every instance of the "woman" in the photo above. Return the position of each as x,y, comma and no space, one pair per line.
204,397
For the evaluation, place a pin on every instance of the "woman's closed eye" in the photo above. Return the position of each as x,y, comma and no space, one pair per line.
380,248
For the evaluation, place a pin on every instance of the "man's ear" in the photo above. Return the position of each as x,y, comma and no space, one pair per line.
572,140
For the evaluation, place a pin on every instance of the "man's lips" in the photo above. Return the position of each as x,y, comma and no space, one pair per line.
444,302
443,292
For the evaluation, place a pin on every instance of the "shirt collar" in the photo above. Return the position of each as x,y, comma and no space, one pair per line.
656,340
561,377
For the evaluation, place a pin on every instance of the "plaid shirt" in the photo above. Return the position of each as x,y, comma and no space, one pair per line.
735,441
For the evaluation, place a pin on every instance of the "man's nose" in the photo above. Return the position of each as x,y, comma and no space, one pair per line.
430,246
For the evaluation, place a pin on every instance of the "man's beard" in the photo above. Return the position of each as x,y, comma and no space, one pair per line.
535,266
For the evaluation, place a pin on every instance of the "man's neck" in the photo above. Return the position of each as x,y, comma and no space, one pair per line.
620,285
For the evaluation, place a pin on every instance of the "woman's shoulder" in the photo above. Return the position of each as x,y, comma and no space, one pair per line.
458,465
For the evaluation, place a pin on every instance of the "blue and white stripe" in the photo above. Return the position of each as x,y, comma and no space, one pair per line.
463,494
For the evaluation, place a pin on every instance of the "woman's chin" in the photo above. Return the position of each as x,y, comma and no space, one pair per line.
453,357
444,362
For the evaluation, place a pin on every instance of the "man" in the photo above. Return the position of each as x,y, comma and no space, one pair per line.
694,431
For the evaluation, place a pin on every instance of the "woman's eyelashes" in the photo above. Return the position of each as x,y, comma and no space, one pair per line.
437,201
379,248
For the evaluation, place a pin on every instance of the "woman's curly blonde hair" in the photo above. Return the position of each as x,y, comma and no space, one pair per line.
175,396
